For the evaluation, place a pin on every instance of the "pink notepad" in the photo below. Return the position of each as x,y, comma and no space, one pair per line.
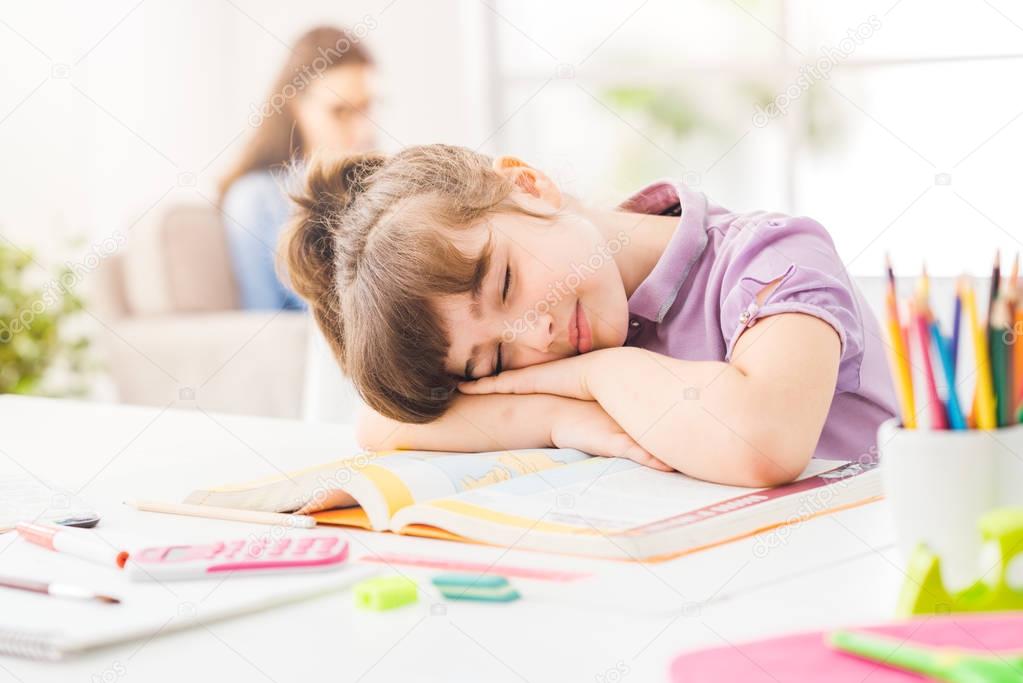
805,656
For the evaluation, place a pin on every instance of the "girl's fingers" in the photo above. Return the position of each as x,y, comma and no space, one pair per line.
619,445
627,448
559,377
507,382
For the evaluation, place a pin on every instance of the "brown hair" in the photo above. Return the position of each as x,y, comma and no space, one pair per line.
277,141
367,249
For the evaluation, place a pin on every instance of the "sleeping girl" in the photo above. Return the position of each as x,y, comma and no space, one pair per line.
477,307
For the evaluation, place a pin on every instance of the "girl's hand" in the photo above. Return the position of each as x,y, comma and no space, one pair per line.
565,377
588,428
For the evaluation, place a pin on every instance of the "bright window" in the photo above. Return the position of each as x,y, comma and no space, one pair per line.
897,124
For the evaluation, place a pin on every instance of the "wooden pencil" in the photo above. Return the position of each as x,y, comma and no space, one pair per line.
1017,352
953,349
955,411
919,313
898,355
985,405
232,514
996,281
998,331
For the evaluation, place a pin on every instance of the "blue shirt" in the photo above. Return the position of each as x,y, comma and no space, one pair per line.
255,210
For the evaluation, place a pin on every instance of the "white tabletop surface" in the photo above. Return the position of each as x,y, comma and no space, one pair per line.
626,622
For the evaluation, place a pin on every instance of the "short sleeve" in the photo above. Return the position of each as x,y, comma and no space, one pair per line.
800,255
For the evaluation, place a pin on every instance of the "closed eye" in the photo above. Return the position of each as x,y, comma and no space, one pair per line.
499,362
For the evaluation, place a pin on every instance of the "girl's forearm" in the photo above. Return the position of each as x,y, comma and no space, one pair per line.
472,423
707,419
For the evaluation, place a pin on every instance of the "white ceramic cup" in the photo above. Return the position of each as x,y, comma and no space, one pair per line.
938,484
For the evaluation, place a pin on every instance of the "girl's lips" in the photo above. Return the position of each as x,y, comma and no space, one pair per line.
573,328
584,336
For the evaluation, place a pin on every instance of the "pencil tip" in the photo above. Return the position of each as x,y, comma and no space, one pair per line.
108,599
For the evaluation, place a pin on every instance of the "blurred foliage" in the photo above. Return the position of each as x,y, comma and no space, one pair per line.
35,340
677,111
671,109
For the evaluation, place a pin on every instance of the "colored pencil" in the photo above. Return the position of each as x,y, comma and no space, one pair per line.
1017,351
996,281
918,314
955,411
985,408
1011,293
898,355
954,343
1013,276
998,331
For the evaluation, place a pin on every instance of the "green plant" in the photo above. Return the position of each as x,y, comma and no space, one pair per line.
36,336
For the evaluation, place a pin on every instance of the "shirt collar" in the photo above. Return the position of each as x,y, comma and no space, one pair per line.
657,293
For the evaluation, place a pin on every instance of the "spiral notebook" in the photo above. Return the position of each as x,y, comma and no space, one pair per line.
42,627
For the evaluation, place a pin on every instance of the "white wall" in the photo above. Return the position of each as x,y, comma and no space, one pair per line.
114,108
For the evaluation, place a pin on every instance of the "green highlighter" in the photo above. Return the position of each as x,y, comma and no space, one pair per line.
483,588
943,664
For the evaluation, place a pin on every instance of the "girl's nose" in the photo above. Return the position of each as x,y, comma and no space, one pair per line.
541,334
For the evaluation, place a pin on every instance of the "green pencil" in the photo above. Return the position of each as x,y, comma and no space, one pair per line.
998,331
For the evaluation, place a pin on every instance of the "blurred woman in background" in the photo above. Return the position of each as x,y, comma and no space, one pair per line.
318,102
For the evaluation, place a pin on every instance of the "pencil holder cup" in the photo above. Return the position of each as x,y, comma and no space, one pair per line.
938,484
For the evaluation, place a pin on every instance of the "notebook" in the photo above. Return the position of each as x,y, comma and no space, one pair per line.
804,658
42,627
553,500
23,497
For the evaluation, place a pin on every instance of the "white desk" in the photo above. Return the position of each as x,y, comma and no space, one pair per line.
632,618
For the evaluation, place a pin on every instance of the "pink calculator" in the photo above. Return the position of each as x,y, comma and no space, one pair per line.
243,557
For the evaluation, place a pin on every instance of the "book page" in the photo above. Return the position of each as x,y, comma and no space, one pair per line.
611,495
386,486
428,475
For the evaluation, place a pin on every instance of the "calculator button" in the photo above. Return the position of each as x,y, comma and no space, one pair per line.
338,557
326,546
206,552
255,551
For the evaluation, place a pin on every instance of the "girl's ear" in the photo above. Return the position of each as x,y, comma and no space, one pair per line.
529,180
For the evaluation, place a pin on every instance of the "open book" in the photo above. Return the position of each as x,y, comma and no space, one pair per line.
554,500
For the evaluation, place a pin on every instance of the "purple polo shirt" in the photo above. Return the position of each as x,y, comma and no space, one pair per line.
701,295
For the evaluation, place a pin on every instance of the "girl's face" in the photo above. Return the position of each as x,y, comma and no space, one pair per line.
331,113
551,288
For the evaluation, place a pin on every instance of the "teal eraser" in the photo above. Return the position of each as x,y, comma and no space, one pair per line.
484,588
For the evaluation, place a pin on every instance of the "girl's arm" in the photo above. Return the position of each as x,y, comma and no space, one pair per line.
754,421
490,423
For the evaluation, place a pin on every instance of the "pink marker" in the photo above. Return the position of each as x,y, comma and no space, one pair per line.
72,542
